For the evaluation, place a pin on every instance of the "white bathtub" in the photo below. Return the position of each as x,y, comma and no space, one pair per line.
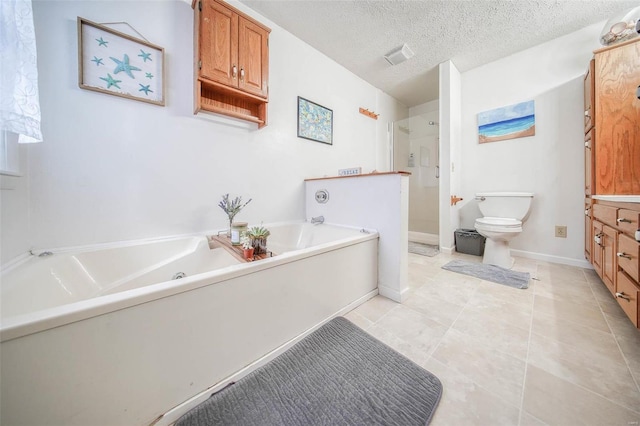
107,337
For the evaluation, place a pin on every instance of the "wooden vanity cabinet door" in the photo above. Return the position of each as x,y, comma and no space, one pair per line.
218,43
596,247
628,252
627,296
609,257
617,119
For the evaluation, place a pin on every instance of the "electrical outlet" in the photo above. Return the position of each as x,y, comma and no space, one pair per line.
561,231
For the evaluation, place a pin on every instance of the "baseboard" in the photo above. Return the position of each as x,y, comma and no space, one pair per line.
393,294
581,263
172,416
448,250
424,238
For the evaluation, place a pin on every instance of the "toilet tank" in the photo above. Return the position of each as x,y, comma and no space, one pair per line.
514,205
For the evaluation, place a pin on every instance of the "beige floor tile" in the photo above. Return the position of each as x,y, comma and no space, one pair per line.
571,291
495,329
413,327
506,293
358,320
559,402
466,403
582,314
528,420
375,308
471,334
450,288
437,309
494,370
518,314
417,354
607,376
575,334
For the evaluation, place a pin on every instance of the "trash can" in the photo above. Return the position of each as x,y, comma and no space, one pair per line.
469,241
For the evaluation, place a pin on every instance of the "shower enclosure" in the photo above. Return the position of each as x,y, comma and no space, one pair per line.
415,149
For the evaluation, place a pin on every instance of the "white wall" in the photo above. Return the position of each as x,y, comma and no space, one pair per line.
375,201
115,169
450,159
14,206
550,164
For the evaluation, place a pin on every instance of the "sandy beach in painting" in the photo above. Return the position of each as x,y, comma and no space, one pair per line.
531,131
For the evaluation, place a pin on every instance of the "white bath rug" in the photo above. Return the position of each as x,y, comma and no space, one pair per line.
423,249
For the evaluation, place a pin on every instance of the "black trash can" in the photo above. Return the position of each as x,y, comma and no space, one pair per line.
469,241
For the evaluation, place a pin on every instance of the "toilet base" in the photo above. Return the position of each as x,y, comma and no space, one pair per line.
498,253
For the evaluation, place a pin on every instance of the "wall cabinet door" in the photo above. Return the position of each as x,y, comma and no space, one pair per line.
253,58
588,97
219,43
589,143
617,119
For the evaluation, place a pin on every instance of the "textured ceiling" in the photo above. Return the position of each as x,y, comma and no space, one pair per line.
357,33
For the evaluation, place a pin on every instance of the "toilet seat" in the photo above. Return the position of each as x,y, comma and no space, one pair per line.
498,224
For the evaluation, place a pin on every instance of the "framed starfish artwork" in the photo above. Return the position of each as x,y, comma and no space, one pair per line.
118,64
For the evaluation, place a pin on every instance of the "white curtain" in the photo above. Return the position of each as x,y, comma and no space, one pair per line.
19,102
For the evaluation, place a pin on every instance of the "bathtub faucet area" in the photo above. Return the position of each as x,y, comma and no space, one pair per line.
317,220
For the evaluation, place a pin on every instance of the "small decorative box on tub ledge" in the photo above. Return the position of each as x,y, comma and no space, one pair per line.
237,251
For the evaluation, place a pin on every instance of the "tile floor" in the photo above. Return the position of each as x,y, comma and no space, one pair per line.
561,352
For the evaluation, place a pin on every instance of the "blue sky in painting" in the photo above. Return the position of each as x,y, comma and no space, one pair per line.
523,109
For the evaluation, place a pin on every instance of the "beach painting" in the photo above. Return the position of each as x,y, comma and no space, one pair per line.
509,122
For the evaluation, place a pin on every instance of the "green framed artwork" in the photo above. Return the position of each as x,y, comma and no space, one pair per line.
315,122
118,64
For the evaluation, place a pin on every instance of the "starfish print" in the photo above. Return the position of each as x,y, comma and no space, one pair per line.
149,75
111,81
101,42
145,56
123,65
97,60
145,89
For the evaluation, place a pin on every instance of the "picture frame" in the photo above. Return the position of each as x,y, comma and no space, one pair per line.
508,122
118,64
315,122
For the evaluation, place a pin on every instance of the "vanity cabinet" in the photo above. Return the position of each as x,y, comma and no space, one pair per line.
615,253
616,119
232,62
612,169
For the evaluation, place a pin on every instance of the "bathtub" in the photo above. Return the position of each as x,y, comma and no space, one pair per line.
108,336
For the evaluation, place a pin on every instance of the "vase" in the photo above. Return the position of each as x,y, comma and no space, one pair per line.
248,253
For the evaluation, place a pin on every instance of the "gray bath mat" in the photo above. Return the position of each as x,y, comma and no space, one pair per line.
337,375
492,273
423,249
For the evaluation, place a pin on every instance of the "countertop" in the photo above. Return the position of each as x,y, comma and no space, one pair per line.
618,198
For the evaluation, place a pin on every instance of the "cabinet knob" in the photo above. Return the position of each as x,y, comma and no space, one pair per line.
623,254
598,239
587,145
623,220
638,89
586,212
234,71
586,113
241,74
621,295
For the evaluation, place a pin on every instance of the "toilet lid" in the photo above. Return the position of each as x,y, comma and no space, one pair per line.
504,222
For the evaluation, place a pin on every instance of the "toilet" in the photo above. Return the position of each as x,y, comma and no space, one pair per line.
503,216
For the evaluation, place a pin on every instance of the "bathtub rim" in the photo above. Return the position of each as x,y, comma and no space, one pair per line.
26,324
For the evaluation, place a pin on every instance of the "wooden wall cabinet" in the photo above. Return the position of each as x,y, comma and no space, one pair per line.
232,62
617,119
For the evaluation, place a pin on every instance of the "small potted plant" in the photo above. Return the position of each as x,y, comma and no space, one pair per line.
232,208
258,235
247,246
